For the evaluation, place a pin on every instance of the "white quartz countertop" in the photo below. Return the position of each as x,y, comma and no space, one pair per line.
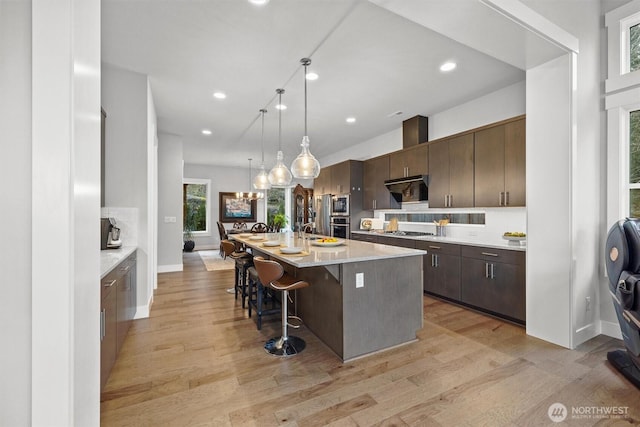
497,243
110,258
347,251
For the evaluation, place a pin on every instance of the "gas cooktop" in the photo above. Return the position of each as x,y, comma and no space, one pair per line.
409,233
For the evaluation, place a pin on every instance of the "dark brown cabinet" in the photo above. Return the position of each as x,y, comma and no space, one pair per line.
494,280
397,241
451,172
302,201
341,178
500,165
118,309
409,162
441,269
376,195
371,238
415,131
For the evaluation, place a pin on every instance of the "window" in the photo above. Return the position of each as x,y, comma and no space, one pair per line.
275,203
196,205
634,163
634,47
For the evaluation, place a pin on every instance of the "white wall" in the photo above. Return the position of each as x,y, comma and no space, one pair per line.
499,105
15,186
169,202
50,123
129,163
223,179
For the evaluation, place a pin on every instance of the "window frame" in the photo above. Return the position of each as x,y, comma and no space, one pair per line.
207,183
618,22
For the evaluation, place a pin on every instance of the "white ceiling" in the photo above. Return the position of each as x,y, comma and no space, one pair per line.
371,63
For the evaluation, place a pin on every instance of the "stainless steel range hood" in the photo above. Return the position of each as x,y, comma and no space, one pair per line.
409,189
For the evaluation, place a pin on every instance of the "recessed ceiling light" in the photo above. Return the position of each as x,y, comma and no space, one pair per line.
351,120
281,107
219,95
259,2
311,76
448,66
206,132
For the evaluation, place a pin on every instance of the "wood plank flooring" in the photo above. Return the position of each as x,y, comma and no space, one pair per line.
198,361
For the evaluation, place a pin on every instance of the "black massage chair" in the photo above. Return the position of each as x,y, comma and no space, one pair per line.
622,255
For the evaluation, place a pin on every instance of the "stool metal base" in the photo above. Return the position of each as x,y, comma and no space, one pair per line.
284,348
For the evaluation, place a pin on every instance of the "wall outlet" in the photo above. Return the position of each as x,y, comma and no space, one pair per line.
169,219
359,280
588,306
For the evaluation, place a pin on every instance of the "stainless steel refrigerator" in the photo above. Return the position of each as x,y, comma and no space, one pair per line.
322,205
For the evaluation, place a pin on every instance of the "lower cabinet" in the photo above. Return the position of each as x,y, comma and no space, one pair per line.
494,280
118,309
371,238
441,269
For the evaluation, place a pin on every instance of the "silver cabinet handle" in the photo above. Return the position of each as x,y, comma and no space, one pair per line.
434,247
433,262
126,268
500,198
493,276
489,254
506,198
437,260
446,200
110,284
103,319
486,270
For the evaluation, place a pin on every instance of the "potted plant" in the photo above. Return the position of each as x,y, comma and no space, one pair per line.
279,221
187,233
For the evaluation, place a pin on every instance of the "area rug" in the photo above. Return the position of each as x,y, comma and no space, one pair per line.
213,261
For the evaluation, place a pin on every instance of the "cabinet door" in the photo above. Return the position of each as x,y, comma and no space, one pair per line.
376,195
340,178
108,342
461,171
489,166
397,241
322,183
417,160
515,163
397,165
442,274
494,286
438,173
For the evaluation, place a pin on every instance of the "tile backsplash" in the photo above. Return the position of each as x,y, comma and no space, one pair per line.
127,222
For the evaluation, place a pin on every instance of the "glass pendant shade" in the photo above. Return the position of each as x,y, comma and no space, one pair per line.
261,181
280,175
305,166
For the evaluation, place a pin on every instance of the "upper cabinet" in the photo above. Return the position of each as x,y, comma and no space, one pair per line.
451,172
341,178
415,131
376,195
500,165
409,162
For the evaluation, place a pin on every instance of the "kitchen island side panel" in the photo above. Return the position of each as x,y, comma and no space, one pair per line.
387,310
320,305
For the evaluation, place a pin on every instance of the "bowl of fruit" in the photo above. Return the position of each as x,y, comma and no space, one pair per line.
514,237
327,241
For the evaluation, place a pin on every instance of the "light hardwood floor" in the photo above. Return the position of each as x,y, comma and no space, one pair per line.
198,360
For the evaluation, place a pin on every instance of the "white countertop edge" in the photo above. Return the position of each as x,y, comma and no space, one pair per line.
453,240
110,258
292,259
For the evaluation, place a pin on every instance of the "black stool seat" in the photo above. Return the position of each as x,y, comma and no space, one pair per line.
243,261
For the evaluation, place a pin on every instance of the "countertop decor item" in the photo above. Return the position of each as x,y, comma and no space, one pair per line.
280,175
305,166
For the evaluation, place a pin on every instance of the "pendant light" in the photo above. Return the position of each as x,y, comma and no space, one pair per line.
250,195
280,175
261,181
305,166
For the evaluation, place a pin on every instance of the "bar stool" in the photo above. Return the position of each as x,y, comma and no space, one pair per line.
243,261
260,297
272,273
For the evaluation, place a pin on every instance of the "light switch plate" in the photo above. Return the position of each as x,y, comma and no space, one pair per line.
359,280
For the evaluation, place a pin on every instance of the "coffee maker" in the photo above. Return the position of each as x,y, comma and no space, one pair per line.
109,234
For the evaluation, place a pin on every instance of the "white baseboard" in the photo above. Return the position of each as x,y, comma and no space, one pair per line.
585,333
142,311
169,268
610,329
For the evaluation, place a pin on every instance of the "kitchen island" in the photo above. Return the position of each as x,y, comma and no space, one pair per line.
363,297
